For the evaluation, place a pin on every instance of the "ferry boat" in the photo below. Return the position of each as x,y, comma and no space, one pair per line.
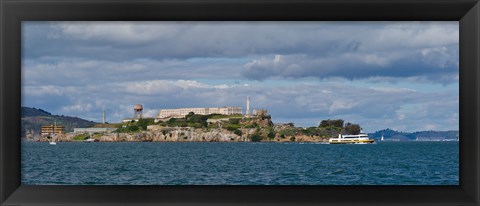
351,139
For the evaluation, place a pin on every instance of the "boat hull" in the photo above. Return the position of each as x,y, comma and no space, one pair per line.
351,141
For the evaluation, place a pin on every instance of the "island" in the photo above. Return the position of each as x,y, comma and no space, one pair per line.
256,127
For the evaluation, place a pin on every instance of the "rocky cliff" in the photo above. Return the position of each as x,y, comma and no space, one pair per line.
183,134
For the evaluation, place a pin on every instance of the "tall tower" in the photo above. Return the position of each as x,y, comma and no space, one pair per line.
137,111
248,106
104,117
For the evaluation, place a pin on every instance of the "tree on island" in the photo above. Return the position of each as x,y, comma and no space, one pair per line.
336,125
352,128
255,138
193,118
238,132
332,123
271,135
143,123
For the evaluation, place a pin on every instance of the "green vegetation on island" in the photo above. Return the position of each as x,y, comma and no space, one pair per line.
135,126
81,137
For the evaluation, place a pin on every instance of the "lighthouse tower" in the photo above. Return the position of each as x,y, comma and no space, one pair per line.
247,113
104,121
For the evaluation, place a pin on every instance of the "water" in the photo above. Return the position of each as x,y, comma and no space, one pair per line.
205,163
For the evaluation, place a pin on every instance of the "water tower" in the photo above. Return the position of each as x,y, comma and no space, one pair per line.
137,111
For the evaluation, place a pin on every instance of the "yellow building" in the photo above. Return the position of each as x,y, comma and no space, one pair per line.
52,129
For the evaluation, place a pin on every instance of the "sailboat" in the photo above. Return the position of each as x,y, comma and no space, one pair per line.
53,142
381,138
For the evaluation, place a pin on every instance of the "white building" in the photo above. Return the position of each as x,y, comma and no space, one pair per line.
128,120
93,130
182,112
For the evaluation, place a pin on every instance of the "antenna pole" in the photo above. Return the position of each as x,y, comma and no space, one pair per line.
248,106
103,116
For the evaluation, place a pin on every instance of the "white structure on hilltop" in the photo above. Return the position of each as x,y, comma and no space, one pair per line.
182,112
104,118
247,112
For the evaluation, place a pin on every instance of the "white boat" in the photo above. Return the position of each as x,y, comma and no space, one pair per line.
89,140
53,142
351,139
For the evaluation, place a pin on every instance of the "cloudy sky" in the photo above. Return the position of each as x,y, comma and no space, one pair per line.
399,75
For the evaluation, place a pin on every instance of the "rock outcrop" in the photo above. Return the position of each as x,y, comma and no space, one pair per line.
178,134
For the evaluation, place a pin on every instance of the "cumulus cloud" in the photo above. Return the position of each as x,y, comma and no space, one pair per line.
118,32
392,89
436,64
79,107
165,87
81,71
322,49
301,72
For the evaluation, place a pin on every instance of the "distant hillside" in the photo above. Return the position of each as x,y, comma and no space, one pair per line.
434,134
33,119
32,112
405,136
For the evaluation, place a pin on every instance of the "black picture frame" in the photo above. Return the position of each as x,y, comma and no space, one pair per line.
13,12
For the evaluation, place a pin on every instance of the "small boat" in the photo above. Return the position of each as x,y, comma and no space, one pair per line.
89,140
351,139
53,142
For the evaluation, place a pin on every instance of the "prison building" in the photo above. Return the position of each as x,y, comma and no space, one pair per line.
52,129
182,112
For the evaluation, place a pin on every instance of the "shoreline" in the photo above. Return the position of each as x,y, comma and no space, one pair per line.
184,134
272,142
263,141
